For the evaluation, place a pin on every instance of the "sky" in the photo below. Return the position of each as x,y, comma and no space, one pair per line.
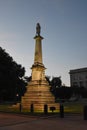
63,26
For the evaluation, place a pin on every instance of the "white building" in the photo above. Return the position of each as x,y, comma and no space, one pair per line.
78,77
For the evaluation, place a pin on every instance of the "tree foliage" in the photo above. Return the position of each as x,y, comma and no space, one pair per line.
64,92
56,82
12,81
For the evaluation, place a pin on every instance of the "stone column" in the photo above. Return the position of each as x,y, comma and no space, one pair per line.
38,50
38,69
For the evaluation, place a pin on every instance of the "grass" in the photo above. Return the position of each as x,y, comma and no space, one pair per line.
73,108
68,108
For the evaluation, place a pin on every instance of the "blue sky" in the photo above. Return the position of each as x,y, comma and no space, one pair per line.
63,26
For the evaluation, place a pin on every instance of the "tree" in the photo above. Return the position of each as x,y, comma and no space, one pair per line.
27,79
48,79
83,92
59,91
11,77
63,93
55,83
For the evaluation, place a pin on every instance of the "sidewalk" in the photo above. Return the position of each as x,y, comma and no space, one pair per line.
16,122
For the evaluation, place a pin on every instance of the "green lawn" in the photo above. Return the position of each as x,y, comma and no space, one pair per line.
73,108
68,108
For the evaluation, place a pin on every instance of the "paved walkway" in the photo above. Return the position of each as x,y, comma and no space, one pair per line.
18,122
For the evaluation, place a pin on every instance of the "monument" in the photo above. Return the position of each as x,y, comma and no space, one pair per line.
38,89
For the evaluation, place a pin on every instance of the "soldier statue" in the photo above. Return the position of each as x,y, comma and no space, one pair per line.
38,29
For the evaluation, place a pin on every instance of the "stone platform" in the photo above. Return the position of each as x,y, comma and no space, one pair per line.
38,93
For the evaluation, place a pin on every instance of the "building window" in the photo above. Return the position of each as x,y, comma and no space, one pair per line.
75,84
80,78
74,77
81,84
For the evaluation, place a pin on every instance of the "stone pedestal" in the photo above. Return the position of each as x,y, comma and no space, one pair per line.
38,93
